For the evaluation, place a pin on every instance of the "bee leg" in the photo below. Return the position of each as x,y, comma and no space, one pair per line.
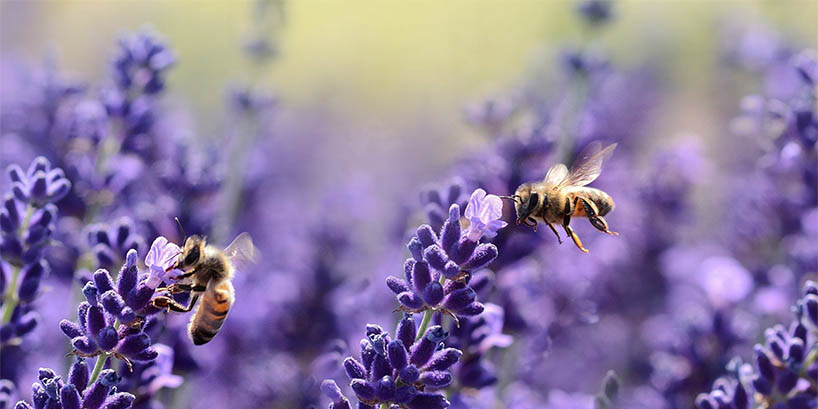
177,288
593,216
171,304
568,230
554,229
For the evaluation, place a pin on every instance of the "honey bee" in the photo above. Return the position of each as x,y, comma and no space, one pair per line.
208,272
562,195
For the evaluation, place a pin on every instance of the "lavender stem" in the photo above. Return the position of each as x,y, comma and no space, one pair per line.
10,300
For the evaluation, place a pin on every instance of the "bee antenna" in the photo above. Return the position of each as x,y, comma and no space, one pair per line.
512,197
178,223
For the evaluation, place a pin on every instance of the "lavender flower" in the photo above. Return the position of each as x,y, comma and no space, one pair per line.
77,391
27,222
110,321
398,371
785,371
438,273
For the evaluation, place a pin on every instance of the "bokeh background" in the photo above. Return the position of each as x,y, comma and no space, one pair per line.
321,127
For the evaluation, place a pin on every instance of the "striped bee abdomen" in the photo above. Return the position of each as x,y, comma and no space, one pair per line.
212,311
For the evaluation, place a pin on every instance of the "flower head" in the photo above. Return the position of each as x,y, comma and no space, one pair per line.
399,371
160,259
52,392
484,212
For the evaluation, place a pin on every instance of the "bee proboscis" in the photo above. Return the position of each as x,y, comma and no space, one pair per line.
207,274
563,195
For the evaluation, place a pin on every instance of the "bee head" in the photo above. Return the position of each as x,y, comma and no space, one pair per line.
525,201
192,253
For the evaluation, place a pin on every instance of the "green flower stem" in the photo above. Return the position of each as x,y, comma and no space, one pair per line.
10,300
427,316
101,360
384,405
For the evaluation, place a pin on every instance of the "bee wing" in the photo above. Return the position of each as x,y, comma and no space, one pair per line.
242,252
556,175
588,165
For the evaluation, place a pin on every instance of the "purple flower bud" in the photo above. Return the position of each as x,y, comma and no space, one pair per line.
799,331
145,355
415,248
90,292
765,366
450,270
385,388
26,323
95,320
787,381
408,267
410,300
354,369
112,303
32,276
128,275
121,400
406,331
481,257
22,405
84,345
70,397
796,351
463,250
762,385
810,287
396,284
127,315
397,354
428,401
460,298
436,379
426,235
46,373
78,374
380,367
471,310
421,276
435,256
102,280
433,293
741,400
132,344
410,374
444,359
107,338
450,233
38,396
104,254
777,347
363,389
139,297
82,314
423,350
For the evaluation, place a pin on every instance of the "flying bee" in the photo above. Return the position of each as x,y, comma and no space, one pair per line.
207,274
562,195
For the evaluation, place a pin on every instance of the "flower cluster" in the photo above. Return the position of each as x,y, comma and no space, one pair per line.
27,222
79,392
109,242
785,371
438,273
110,321
398,371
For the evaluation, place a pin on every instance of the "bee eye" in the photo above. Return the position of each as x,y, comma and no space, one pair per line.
192,257
533,200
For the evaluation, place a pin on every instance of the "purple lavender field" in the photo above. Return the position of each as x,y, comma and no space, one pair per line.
389,162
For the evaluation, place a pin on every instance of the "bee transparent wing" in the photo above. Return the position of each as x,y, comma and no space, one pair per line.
588,165
556,175
242,252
